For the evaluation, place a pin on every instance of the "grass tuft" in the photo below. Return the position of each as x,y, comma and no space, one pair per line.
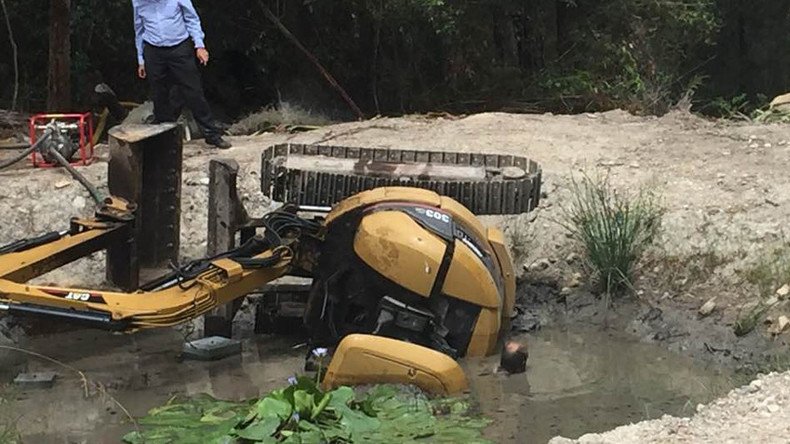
747,322
771,271
273,118
520,238
614,228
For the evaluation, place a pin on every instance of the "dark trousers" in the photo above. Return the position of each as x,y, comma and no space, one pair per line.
167,67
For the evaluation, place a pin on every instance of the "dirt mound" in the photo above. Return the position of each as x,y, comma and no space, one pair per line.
759,412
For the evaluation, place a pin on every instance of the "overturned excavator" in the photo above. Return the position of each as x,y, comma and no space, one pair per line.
405,280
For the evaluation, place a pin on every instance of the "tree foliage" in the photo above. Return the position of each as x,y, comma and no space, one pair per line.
397,56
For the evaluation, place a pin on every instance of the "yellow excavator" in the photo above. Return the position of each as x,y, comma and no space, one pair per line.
405,282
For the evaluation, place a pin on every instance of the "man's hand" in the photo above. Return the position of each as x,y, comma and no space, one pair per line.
202,55
141,71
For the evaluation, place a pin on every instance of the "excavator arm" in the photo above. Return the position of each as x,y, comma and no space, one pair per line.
174,303
184,294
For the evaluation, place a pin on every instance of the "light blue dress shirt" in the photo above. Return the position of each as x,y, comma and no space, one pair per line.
165,23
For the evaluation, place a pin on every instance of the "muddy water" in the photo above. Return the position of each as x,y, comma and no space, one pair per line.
577,381
587,380
140,371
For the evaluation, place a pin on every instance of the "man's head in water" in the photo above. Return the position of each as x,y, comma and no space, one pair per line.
514,357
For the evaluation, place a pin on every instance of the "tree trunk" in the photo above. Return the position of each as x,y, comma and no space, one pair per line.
550,30
506,36
59,78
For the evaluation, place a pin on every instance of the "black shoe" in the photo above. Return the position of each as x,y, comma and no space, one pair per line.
218,142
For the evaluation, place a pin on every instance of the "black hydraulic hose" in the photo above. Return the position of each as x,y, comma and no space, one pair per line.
26,244
97,197
7,163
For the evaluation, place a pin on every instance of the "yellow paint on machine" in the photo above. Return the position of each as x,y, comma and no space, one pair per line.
497,240
398,248
367,359
468,279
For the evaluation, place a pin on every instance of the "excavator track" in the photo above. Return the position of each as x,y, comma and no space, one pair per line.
322,175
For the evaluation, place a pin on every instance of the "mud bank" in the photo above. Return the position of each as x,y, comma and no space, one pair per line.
675,328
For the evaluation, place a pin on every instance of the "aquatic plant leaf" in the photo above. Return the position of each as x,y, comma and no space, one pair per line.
341,397
358,423
271,407
213,434
261,431
304,403
311,437
218,415
321,406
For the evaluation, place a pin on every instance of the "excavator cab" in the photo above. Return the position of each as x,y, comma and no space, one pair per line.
411,265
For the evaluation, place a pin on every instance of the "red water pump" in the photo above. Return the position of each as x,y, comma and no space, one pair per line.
74,135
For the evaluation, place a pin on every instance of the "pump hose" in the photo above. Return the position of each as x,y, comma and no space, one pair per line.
7,163
97,197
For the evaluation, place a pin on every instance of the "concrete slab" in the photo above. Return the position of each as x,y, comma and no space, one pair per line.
42,380
211,348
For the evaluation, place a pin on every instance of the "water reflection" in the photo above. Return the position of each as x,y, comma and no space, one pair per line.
587,380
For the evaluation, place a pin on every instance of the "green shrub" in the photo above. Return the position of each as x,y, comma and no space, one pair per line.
614,228
746,322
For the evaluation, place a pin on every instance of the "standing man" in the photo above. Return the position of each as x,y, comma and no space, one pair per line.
169,38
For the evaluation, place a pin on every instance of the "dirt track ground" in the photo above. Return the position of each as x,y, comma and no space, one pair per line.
725,186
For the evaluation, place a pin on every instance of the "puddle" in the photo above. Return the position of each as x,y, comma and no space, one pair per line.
141,371
586,381
577,382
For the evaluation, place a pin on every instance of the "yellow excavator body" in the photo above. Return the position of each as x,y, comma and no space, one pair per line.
410,264
405,283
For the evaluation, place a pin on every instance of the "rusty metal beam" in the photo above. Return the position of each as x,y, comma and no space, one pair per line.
226,216
145,168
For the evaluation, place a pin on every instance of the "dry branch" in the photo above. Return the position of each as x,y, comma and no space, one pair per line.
269,15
